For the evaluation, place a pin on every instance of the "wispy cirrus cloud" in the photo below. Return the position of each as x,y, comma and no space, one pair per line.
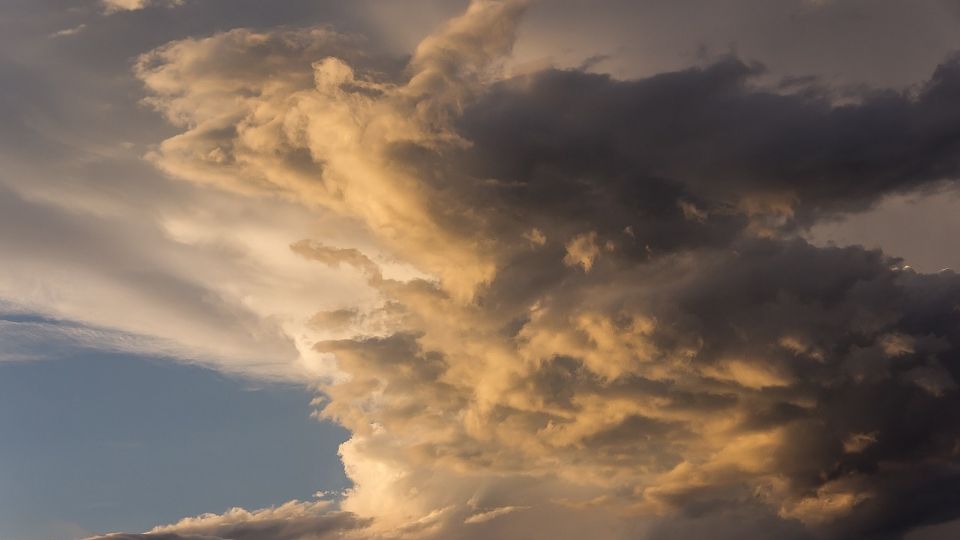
294,520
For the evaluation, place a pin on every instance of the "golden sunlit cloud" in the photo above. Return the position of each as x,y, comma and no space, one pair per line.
559,304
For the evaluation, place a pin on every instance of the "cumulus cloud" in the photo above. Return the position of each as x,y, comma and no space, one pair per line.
337,140
612,318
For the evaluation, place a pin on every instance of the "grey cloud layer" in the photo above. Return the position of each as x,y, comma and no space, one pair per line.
621,324
708,135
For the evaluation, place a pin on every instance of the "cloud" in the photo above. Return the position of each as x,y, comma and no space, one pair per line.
199,282
114,6
342,129
69,31
582,250
291,521
663,355
28,337
708,139
487,515
337,256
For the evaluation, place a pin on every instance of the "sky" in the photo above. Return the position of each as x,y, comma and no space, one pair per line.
443,269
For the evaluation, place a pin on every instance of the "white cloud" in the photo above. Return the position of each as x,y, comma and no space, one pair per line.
482,517
114,6
69,31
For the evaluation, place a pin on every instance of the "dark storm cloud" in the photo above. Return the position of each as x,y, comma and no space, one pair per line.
848,357
852,361
569,146
843,306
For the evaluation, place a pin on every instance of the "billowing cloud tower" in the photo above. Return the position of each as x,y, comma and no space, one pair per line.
594,313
